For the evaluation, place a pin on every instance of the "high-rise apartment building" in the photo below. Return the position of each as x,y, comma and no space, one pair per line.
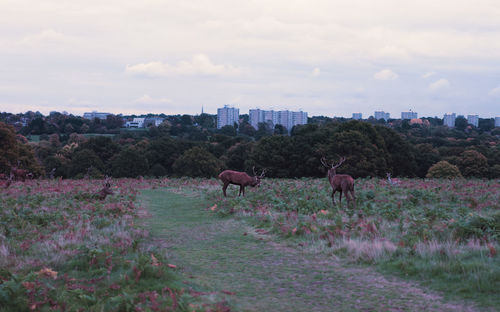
409,115
497,121
357,116
227,116
473,120
285,118
382,115
449,119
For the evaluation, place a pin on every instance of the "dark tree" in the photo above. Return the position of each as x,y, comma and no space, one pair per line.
197,162
129,163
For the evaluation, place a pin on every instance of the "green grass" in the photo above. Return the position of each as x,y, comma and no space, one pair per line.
219,255
444,234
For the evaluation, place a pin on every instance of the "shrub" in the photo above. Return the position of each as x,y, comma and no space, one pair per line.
444,170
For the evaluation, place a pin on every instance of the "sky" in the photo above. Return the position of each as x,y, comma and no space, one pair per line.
329,58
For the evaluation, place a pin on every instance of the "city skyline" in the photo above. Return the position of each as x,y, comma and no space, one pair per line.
325,57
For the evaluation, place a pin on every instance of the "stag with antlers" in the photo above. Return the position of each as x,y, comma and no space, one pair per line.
342,183
240,178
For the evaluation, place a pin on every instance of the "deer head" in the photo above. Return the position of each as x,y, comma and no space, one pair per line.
332,169
257,178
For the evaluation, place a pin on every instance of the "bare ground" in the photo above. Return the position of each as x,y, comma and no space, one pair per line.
226,260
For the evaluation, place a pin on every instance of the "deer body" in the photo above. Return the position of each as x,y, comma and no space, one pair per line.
391,181
105,191
341,183
19,174
239,178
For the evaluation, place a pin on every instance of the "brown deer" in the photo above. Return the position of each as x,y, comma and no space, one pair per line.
106,190
240,178
340,182
19,174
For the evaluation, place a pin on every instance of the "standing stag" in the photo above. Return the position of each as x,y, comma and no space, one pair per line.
340,182
240,178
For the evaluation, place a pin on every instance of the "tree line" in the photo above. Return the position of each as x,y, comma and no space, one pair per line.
192,148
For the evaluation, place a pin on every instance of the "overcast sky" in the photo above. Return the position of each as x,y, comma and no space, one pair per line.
328,57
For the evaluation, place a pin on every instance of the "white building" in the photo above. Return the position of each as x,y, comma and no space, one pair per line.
285,118
94,115
357,116
227,116
382,115
473,120
449,119
409,115
497,121
135,123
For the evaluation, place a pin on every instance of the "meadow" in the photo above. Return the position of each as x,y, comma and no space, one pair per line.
61,248
444,234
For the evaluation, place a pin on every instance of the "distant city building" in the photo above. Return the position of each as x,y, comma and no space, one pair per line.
135,123
409,115
152,121
382,115
497,121
357,116
94,115
449,119
227,116
285,118
473,120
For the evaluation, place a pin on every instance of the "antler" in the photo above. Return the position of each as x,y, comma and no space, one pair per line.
325,163
340,163
253,169
263,173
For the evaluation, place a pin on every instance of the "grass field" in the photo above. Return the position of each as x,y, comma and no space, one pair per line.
178,244
443,234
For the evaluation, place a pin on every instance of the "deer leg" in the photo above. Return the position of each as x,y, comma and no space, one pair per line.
333,197
340,198
241,189
224,188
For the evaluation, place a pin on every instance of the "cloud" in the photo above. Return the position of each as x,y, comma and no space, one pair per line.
385,74
146,99
199,65
440,84
495,91
47,36
427,75
316,72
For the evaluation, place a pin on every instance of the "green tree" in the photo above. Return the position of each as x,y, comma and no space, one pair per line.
461,123
8,147
129,163
473,164
228,130
443,170
236,156
273,153
82,160
197,162
401,160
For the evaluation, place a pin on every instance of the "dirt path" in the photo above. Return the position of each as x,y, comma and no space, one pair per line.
252,273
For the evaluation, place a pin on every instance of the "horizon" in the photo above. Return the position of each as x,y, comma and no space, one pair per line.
323,57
